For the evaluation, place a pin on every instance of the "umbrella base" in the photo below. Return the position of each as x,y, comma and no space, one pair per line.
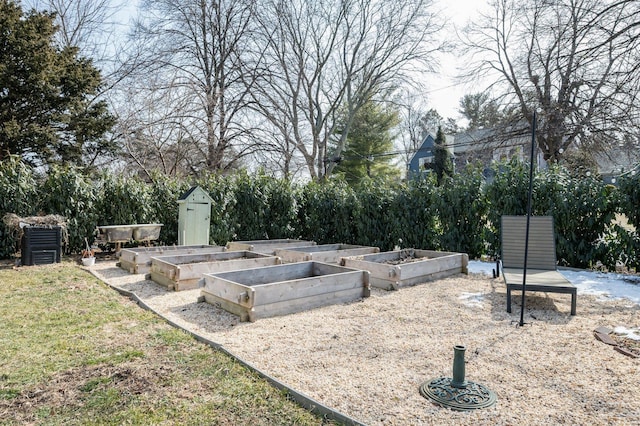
471,396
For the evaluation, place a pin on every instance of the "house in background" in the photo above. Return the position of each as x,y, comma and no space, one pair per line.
618,162
419,165
486,146
489,146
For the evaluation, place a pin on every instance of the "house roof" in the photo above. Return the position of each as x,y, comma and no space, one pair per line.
427,144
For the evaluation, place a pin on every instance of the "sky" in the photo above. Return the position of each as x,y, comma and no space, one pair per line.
443,92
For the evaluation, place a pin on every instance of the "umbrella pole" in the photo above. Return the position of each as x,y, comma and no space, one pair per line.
526,239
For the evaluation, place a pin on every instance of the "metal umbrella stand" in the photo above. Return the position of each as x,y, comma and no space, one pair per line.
456,392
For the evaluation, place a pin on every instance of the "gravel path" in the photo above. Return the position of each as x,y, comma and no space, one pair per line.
367,359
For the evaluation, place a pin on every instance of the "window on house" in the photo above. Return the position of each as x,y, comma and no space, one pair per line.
425,162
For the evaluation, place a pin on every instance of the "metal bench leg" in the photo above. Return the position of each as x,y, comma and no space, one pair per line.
573,303
508,300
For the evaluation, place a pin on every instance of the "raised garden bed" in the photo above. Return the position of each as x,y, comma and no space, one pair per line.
267,246
183,272
328,253
394,269
284,289
138,260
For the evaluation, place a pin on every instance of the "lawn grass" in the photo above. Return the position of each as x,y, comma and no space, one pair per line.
73,351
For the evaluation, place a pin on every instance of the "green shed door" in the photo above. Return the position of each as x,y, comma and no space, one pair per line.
196,224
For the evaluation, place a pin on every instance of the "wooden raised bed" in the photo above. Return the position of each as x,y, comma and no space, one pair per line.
267,246
138,260
280,290
183,272
328,253
394,269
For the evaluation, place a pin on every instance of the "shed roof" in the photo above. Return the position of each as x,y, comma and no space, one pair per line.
195,191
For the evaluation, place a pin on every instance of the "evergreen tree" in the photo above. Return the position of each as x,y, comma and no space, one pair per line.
48,111
442,163
480,110
369,143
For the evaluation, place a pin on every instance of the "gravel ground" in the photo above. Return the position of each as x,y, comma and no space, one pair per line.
367,359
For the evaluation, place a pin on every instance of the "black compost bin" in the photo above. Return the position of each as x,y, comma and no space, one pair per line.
41,245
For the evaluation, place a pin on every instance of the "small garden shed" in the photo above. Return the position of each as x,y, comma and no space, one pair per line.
194,215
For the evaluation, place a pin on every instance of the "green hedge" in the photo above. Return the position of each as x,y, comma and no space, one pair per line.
462,214
627,244
326,213
416,214
162,202
68,192
376,216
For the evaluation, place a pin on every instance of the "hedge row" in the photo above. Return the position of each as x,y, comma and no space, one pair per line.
462,214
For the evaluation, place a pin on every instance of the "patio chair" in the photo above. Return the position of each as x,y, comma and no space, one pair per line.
542,275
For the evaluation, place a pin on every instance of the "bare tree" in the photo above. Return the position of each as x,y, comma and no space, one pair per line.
88,25
324,59
196,47
154,131
278,149
576,61
416,123
412,131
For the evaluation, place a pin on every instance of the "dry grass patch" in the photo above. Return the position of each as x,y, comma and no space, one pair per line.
76,352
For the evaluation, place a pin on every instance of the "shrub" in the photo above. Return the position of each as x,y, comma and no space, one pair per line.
222,226
264,207
67,191
463,214
506,194
582,215
163,205
123,200
629,186
416,214
19,189
375,218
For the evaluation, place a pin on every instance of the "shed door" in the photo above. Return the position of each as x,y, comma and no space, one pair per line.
197,224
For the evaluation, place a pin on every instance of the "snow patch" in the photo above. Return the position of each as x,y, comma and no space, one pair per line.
605,285
473,300
629,333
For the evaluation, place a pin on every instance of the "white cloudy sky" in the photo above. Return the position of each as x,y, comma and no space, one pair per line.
443,92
